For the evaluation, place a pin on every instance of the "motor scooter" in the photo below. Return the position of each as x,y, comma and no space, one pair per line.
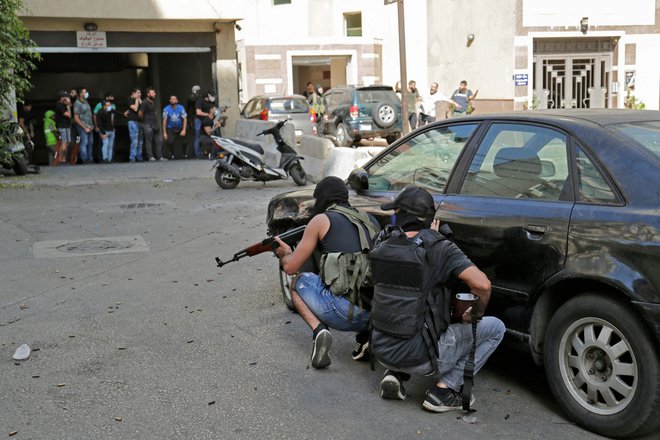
12,150
238,160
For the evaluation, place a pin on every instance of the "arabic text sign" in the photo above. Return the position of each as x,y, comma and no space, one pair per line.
94,40
521,79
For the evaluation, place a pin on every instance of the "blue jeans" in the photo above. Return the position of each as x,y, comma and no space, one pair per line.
136,140
86,144
108,145
198,127
455,344
330,309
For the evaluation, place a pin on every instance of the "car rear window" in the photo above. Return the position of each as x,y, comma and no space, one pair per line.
647,134
372,96
288,105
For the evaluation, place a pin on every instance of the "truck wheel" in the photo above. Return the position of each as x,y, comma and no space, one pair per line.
298,175
225,179
343,138
19,166
602,367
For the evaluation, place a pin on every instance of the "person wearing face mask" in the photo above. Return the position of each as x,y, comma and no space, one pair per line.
105,119
204,108
339,297
85,125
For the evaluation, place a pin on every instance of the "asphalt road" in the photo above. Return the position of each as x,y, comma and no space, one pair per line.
152,341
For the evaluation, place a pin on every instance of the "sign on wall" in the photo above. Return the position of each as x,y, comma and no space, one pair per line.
521,79
91,40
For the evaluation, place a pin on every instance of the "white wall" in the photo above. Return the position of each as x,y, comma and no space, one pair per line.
600,12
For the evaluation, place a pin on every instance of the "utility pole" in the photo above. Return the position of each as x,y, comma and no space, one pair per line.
402,63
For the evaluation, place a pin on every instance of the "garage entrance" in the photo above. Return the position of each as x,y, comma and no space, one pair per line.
170,69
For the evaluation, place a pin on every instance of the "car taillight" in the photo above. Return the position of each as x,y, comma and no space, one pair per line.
354,111
312,116
263,115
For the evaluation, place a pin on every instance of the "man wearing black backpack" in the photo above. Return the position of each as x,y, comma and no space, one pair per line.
412,328
339,296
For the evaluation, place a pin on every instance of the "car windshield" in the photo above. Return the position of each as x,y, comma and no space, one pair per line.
288,105
375,95
647,134
425,160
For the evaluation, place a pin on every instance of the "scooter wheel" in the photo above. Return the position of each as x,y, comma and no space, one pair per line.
298,174
20,165
225,179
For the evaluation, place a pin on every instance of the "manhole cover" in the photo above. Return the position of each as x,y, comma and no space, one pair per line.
94,246
89,246
138,205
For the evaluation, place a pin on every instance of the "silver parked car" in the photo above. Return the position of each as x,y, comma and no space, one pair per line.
293,108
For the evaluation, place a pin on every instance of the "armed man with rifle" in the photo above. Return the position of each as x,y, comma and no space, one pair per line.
413,330
338,297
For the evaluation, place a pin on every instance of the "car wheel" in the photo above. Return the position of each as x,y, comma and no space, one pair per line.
225,179
19,166
298,175
602,367
285,285
343,138
384,114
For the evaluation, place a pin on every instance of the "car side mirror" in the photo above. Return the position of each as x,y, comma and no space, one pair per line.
358,179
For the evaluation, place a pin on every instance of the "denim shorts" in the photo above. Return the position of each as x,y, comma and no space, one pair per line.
65,135
330,309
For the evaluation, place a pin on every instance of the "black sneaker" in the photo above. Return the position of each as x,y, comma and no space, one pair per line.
450,401
361,351
321,348
391,386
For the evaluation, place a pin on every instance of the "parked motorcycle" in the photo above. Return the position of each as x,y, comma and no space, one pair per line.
238,160
13,155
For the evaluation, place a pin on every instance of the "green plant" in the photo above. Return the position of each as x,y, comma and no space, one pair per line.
632,103
17,53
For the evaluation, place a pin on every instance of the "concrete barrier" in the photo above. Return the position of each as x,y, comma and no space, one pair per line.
322,158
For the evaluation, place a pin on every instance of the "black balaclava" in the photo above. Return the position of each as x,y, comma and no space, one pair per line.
410,222
330,190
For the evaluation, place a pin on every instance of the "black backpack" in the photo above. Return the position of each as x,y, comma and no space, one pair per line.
405,303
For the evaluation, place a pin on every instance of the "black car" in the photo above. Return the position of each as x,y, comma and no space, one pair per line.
361,112
561,209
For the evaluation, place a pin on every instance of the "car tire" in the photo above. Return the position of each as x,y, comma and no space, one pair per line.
384,114
602,367
225,179
285,286
298,175
19,165
341,134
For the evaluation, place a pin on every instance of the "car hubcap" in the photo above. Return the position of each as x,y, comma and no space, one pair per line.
341,134
598,366
386,114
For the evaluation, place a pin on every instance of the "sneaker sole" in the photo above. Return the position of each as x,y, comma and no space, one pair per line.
321,353
390,388
441,409
362,354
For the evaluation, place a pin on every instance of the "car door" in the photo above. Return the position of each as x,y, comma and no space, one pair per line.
511,212
426,160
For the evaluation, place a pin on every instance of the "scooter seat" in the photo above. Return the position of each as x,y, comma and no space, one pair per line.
254,147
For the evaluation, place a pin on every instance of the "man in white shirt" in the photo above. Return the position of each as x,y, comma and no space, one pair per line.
427,108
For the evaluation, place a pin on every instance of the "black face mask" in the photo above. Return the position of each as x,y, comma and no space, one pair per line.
409,222
328,191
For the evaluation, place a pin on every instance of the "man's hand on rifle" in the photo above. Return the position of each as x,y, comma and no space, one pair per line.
283,250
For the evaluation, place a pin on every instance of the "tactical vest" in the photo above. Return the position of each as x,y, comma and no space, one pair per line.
344,273
405,303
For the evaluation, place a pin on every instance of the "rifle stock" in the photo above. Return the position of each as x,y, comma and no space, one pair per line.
290,237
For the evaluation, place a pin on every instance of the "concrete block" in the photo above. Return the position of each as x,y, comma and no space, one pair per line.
315,150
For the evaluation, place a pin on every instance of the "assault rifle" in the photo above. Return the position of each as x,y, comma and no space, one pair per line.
290,237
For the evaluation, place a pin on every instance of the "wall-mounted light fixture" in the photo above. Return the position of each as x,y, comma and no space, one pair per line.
584,25
90,27
238,27
470,39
